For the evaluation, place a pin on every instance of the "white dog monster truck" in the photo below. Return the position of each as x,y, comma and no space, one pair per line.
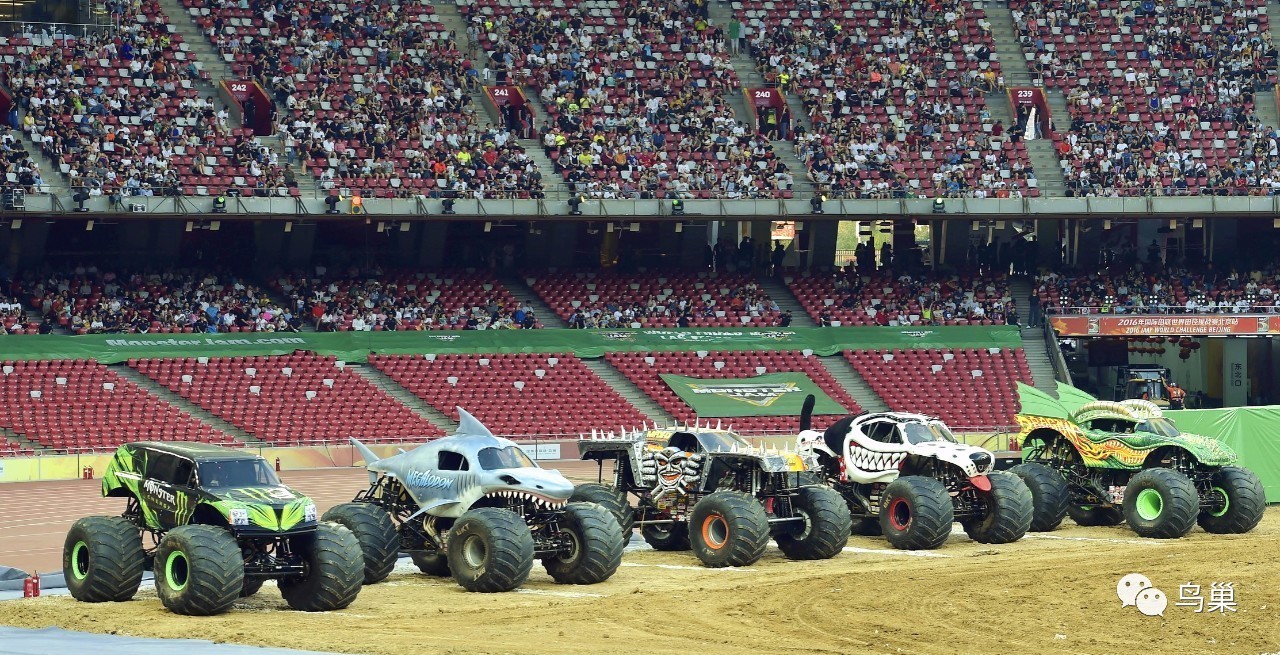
905,476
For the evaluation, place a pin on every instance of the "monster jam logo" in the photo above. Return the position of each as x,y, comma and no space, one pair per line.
760,395
154,489
918,334
443,337
619,336
424,480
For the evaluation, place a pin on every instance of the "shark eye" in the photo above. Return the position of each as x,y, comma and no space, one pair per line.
508,479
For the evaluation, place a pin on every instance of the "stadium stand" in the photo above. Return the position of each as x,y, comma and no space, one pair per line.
404,300
840,299
81,405
121,116
514,394
967,388
376,96
895,91
1161,96
87,300
13,317
1179,290
592,300
293,399
645,369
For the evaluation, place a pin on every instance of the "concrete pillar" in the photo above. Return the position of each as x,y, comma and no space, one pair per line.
1235,372
821,242
1049,243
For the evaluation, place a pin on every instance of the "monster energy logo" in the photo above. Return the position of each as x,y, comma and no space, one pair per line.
153,488
760,395
424,480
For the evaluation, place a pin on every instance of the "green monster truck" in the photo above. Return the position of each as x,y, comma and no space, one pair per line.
219,523
1104,462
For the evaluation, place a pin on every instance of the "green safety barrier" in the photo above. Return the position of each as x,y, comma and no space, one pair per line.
778,394
356,346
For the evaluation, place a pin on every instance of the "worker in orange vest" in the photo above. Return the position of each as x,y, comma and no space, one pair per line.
1177,396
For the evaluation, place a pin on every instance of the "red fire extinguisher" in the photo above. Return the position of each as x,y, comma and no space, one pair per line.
277,465
35,585
28,588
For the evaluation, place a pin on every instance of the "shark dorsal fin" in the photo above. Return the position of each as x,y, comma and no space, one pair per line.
470,425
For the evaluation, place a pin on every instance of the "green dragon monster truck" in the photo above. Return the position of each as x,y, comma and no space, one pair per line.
1104,462
219,523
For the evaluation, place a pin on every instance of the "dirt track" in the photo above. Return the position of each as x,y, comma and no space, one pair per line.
1052,593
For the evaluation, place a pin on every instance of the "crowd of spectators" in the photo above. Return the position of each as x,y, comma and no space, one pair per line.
899,111
681,311
118,111
860,296
90,300
1160,95
1174,290
372,300
18,169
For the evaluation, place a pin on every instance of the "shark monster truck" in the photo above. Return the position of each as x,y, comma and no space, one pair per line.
475,506
905,476
219,523
706,488
1104,463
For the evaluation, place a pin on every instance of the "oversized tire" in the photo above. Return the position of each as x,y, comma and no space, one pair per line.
865,526
611,499
436,564
335,569
379,542
490,550
824,532
1161,503
597,545
728,528
1007,514
1244,501
916,513
666,536
1096,515
199,570
102,559
251,586
1050,495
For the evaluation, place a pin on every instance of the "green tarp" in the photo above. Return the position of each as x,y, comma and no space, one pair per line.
1253,432
777,394
356,346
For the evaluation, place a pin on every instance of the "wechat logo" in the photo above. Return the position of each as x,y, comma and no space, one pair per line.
1136,589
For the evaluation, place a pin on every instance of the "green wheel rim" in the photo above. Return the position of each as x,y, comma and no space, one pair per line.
80,560
176,572
1149,504
1226,502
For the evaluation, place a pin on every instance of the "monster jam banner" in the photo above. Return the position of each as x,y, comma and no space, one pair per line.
778,394
1187,325
356,346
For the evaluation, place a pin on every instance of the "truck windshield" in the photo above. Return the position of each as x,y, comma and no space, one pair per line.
491,459
721,442
1161,426
237,473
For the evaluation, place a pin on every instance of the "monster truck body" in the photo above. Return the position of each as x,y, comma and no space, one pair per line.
906,476
710,489
475,506
219,522
1114,461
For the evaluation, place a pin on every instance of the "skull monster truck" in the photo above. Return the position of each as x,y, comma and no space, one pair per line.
475,506
905,476
709,489
1105,462
220,523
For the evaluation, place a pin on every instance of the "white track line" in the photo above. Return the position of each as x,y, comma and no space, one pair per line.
1143,542
561,594
886,551
679,567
